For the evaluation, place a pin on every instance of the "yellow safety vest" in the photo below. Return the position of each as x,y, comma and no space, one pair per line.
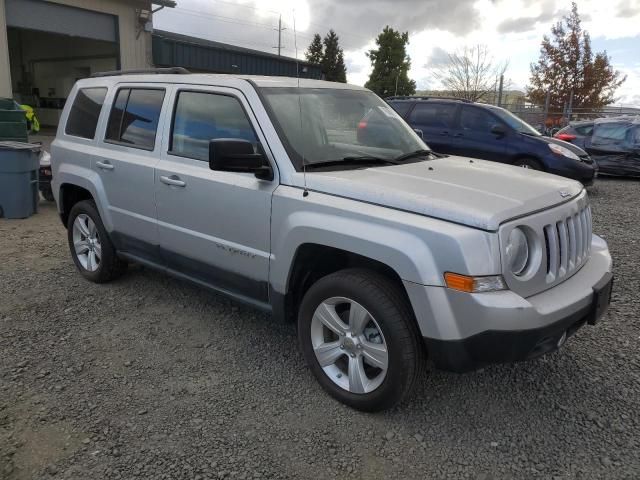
31,117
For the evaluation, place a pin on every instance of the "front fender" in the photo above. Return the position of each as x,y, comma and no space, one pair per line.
419,249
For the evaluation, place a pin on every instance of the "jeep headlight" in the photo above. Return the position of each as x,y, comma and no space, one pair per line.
517,251
563,151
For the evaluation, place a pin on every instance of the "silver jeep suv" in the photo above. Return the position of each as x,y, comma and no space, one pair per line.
382,251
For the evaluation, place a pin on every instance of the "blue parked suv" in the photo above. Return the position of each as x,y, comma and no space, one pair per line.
464,128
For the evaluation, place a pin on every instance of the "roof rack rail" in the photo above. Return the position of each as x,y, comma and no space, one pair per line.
158,71
424,97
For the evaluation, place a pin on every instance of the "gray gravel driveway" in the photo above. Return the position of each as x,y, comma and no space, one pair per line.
150,377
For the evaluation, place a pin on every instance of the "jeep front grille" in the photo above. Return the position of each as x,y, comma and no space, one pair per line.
568,244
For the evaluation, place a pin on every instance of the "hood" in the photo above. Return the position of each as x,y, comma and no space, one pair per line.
569,146
476,193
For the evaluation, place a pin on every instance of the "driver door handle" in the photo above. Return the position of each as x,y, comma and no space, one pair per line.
172,180
444,133
104,165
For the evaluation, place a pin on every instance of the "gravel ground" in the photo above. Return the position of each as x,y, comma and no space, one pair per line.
150,377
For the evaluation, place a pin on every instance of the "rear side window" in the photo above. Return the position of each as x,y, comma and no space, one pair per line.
584,130
436,115
201,117
476,120
85,111
134,117
401,107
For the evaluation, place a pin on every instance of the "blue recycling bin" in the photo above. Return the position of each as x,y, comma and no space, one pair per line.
19,165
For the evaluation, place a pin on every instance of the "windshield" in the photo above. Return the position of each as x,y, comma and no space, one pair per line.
514,122
331,125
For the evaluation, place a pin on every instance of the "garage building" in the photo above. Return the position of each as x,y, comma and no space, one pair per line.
45,46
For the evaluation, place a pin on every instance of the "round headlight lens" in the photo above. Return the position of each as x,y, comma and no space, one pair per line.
517,251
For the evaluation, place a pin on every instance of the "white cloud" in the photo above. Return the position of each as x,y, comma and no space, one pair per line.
512,29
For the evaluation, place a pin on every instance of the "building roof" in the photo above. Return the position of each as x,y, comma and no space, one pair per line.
225,46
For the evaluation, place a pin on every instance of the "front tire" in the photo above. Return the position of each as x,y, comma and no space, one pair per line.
359,338
90,245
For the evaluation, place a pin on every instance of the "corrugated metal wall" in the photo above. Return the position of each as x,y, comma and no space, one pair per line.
221,58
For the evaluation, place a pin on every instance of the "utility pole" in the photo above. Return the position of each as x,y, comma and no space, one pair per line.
547,101
397,77
279,30
500,91
570,109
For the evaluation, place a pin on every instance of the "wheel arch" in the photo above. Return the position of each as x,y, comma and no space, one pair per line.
70,194
312,261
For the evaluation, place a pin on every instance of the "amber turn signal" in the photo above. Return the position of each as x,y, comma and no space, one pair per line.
459,282
465,283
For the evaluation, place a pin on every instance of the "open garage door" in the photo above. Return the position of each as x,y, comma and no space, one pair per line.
51,46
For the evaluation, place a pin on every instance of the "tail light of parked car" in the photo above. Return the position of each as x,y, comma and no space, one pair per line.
567,137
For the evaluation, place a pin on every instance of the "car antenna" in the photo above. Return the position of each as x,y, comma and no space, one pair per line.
305,192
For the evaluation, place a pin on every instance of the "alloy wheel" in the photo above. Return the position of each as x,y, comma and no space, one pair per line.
86,242
349,345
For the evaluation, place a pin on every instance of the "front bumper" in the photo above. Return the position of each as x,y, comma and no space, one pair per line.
466,331
583,172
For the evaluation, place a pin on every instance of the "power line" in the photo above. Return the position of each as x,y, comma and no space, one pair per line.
221,18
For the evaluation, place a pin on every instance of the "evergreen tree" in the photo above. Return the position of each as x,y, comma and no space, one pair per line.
391,65
567,63
333,59
315,52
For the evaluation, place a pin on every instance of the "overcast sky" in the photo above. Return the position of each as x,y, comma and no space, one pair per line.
512,29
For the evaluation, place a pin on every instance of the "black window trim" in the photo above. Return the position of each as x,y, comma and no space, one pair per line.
177,93
115,97
95,132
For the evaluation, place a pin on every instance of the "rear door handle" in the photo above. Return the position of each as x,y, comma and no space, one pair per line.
444,134
104,165
173,180
458,135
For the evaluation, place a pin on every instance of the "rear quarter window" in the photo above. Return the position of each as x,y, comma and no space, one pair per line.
402,108
85,112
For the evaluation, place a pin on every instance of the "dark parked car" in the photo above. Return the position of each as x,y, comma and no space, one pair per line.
614,143
576,132
459,127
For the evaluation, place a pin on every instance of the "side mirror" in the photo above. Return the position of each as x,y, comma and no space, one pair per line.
237,155
419,132
499,130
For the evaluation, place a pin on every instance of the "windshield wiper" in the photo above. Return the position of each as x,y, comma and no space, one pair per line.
352,160
416,153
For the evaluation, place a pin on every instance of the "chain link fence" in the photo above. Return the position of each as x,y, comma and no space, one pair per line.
553,120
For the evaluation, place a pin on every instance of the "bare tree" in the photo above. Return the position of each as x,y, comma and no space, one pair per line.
471,73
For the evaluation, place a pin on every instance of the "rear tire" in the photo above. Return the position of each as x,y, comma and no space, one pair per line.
47,193
528,162
372,353
90,245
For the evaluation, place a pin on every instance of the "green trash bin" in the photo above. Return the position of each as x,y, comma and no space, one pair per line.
13,122
19,166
